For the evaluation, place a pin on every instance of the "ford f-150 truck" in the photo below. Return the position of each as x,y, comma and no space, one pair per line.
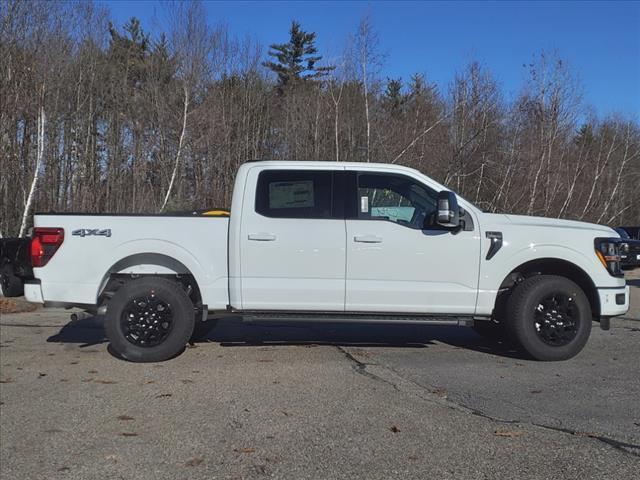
338,241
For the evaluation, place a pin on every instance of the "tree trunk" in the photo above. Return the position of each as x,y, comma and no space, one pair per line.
36,172
180,143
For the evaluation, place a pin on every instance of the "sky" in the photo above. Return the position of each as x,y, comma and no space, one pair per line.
599,40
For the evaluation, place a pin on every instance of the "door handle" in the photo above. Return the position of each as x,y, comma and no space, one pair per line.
367,239
262,237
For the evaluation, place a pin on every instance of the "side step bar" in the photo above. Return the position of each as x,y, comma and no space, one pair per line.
333,317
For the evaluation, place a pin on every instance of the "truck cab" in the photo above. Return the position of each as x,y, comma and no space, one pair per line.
346,241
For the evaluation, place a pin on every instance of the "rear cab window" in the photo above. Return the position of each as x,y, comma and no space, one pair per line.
298,194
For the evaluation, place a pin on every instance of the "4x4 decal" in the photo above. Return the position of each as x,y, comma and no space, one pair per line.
86,232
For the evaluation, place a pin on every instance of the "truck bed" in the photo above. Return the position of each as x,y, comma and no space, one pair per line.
97,246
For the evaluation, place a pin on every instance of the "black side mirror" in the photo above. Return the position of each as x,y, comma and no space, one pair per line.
448,211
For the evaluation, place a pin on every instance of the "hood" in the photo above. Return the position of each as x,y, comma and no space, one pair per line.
525,220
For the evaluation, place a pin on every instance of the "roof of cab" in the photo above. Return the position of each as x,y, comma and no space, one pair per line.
325,163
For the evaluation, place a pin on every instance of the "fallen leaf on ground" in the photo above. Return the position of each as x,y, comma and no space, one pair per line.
129,434
265,360
507,433
92,371
194,462
7,380
440,391
163,395
148,382
125,418
16,306
244,450
186,380
106,382
64,469
536,391
394,429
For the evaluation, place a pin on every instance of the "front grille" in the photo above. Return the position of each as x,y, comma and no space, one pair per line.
634,248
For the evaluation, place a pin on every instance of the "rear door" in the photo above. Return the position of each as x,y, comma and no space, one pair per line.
292,241
394,263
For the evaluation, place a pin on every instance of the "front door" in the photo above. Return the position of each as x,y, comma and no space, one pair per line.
394,263
292,241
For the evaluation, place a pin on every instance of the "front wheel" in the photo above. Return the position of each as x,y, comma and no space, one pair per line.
549,317
149,320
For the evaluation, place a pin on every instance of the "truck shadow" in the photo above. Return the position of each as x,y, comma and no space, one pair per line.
232,332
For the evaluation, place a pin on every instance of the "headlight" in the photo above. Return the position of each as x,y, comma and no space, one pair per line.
608,252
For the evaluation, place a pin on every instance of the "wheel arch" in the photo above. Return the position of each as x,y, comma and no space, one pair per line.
147,264
551,266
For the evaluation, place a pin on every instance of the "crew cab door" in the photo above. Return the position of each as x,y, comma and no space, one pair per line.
292,241
394,264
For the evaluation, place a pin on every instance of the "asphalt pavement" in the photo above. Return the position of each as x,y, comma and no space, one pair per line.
316,401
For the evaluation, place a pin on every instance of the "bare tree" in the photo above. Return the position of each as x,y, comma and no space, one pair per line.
136,120
369,61
36,171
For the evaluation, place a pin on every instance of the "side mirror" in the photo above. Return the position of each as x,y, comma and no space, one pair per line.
448,211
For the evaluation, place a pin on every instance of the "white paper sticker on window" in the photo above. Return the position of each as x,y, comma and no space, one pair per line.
364,204
294,194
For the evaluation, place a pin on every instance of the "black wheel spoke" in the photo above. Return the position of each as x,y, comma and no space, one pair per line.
147,320
556,319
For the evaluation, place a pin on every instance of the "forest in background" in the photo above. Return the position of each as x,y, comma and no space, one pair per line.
96,117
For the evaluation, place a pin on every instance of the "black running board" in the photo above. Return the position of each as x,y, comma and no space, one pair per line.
334,317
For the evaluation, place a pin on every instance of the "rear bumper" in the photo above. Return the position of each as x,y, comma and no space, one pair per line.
33,291
613,301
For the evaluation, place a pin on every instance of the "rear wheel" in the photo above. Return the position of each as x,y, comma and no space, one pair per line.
11,284
149,320
549,317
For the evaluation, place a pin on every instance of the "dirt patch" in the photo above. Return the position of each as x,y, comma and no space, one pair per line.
16,305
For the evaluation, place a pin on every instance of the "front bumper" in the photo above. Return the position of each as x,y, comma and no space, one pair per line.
613,301
33,291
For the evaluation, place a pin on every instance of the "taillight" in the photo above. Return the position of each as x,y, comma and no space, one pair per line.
44,244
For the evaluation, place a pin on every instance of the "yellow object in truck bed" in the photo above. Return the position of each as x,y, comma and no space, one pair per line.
216,213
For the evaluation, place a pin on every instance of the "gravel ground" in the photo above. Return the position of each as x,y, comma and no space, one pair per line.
315,401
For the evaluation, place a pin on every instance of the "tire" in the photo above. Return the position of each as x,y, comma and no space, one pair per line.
149,320
549,317
11,284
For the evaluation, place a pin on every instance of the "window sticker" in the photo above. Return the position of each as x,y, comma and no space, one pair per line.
364,204
296,194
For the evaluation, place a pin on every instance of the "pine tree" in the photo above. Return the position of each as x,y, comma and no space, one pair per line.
128,53
296,60
393,97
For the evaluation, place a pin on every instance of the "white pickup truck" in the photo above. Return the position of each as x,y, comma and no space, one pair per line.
337,241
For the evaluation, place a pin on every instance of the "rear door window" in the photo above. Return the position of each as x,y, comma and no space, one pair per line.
296,194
